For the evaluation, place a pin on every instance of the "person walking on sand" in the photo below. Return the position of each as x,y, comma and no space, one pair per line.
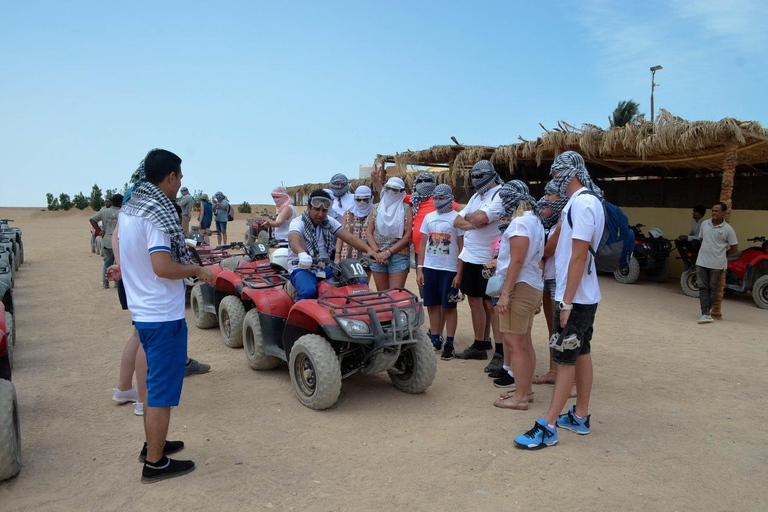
155,260
718,241
221,210
578,295
186,201
108,218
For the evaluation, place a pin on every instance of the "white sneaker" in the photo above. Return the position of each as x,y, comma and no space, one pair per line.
138,409
123,397
705,319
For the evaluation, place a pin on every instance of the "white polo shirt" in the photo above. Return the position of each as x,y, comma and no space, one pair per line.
477,242
529,226
588,223
715,241
150,298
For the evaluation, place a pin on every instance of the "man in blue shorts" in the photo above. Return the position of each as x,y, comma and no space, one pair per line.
155,260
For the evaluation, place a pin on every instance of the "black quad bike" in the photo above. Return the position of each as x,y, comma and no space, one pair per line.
651,254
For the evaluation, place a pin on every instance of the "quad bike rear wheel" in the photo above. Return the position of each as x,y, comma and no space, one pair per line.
231,316
415,369
10,431
630,274
689,283
315,372
203,319
10,328
660,274
253,342
760,292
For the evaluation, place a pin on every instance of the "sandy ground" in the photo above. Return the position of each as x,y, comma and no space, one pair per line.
678,413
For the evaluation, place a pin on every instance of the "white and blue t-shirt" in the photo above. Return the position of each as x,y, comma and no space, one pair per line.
297,226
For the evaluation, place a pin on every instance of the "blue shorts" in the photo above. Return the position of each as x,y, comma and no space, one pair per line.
221,226
437,285
550,285
165,344
396,263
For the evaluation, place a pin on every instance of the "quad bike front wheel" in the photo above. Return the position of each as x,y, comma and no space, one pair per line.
415,369
315,372
630,274
690,284
203,319
760,292
231,316
10,431
10,327
253,343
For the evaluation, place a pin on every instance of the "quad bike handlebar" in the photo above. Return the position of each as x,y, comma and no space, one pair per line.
757,239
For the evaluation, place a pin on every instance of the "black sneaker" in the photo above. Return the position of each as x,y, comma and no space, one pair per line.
496,362
473,353
497,373
448,352
169,448
505,381
164,469
484,345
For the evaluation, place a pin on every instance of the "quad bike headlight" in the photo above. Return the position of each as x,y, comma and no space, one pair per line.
354,326
401,319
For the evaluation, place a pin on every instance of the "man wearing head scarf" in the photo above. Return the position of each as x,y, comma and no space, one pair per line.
285,214
221,210
154,261
343,199
186,201
577,296
480,218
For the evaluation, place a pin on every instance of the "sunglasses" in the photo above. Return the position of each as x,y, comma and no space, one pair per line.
424,180
320,202
362,199
337,184
393,190
441,198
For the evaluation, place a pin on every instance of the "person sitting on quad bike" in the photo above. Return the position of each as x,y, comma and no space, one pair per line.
692,241
285,214
313,235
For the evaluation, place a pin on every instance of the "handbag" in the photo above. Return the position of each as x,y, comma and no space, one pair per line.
495,285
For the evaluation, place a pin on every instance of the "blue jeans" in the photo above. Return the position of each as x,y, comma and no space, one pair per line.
709,282
306,281
109,259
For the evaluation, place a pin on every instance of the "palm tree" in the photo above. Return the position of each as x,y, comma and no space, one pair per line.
627,112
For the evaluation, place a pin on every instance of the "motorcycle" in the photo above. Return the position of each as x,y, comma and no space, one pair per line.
651,254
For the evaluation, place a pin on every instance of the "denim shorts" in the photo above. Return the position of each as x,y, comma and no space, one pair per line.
582,321
550,285
165,344
396,263
221,227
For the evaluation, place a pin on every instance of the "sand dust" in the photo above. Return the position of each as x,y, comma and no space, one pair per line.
679,414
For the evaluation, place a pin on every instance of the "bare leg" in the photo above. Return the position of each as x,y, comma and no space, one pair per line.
218,237
451,320
382,280
435,318
508,351
531,358
128,362
488,305
225,239
477,309
156,420
521,365
549,313
583,384
563,385
141,374
397,280
494,321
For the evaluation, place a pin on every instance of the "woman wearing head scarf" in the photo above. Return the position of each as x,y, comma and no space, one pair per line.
355,221
343,199
285,214
221,209
205,217
389,234
520,253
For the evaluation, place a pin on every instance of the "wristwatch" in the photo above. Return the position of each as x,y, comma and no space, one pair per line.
565,307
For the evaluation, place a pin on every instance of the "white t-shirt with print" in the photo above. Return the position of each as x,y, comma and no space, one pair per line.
297,226
588,223
150,298
477,242
442,250
530,227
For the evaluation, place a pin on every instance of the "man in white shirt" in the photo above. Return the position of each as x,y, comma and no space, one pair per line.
718,241
313,236
480,218
577,295
154,262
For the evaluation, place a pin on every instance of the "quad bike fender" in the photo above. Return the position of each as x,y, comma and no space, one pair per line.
228,282
306,317
271,301
209,299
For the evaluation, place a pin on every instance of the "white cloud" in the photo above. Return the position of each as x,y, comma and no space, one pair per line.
739,23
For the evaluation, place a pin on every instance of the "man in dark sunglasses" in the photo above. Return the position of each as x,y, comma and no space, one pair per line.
313,236
342,198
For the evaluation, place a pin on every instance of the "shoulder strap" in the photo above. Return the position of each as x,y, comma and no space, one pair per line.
593,253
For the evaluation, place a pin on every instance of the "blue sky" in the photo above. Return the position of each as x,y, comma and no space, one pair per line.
250,94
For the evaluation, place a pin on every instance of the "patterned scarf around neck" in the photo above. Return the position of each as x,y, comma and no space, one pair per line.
422,191
444,205
556,206
512,194
149,202
310,240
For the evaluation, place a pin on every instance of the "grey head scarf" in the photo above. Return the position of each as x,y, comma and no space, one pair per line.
568,165
423,187
445,204
339,185
484,176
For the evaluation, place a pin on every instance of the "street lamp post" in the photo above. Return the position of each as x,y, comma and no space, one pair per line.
654,69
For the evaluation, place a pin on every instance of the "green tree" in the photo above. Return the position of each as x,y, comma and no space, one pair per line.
53,202
625,113
109,193
64,202
197,195
97,201
80,201
245,207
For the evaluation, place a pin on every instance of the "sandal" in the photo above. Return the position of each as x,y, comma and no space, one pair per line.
511,394
509,402
547,378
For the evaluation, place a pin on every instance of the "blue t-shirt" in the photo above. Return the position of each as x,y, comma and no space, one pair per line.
221,213
207,213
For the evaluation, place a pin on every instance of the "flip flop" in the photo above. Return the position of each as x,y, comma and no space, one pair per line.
547,378
503,403
511,394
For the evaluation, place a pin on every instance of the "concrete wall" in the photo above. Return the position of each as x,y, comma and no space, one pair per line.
677,221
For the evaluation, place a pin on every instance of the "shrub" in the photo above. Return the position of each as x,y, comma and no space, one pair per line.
97,200
245,207
64,202
80,201
53,202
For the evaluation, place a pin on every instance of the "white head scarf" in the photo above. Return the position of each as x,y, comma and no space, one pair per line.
362,209
390,220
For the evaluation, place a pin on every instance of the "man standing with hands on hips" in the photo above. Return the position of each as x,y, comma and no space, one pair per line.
154,262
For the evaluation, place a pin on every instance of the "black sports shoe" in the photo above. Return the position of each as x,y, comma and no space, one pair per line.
506,381
473,353
448,352
497,373
169,448
165,468
496,362
484,345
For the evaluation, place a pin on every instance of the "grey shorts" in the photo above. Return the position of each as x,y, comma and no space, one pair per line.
582,322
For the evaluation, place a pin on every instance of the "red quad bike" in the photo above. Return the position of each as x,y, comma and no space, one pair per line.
10,430
747,272
258,231
348,328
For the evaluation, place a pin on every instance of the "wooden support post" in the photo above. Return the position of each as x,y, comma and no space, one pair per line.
730,159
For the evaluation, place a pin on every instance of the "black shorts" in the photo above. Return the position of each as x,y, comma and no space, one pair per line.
473,284
582,321
437,286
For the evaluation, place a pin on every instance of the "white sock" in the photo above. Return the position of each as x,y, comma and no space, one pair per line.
506,367
511,374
